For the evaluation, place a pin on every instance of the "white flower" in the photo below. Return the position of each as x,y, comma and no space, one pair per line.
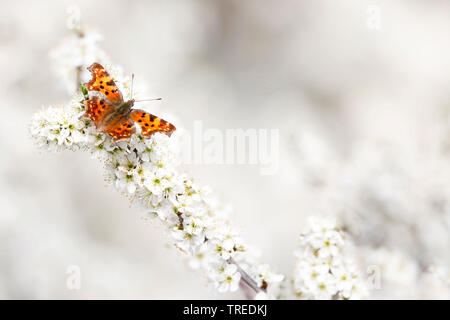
193,225
187,241
226,240
155,181
126,180
200,257
228,278
265,274
127,174
184,204
324,287
344,281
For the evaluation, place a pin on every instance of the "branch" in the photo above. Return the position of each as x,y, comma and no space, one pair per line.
247,281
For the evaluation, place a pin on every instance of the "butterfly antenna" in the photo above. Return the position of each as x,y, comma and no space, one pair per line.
149,100
132,80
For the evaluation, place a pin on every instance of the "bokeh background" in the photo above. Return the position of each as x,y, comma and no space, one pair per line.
363,114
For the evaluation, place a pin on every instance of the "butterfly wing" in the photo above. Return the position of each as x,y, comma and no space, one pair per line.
101,81
97,110
122,129
151,124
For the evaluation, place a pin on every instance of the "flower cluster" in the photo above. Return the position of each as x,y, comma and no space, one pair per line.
78,49
322,271
74,52
145,170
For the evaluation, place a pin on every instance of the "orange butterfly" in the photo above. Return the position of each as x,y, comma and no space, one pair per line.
114,116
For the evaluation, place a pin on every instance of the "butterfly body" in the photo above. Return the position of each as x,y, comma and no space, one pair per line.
114,116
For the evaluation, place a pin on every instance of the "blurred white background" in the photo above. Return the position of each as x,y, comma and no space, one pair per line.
364,125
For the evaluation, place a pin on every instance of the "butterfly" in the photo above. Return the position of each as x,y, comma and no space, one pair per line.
114,116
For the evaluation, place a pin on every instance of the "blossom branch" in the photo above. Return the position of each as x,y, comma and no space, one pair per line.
145,171
247,280
322,270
